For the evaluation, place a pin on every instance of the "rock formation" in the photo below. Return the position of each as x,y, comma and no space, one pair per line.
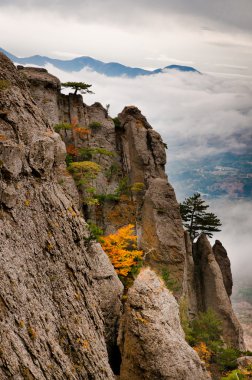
211,292
52,313
151,338
60,298
224,263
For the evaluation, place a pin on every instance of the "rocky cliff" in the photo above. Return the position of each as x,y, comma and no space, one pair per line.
59,294
60,297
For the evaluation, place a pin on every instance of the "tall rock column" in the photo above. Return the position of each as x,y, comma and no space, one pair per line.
159,224
212,293
225,266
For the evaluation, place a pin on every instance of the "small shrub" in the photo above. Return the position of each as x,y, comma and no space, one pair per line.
117,123
82,132
95,231
95,125
72,150
184,319
112,170
62,127
235,375
32,333
88,153
226,358
206,328
4,84
123,187
137,187
169,283
203,352
102,198
84,170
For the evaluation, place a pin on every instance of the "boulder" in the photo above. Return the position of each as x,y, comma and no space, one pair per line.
151,339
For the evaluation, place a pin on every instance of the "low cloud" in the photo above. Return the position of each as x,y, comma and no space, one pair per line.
236,234
197,115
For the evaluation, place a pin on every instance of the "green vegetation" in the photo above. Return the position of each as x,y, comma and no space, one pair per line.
205,328
196,219
62,127
102,198
226,358
244,374
204,335
82,87
169,282
95,125
95,231
123,187
89,153
4,84
112,170
84,171
117,123
137,187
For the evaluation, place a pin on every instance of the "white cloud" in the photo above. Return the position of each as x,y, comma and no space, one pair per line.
195,114
236,234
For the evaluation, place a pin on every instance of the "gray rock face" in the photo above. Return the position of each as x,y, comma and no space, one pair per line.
159,223
143,150
52,309
39,80
190,279
139,155
151,338
224,263
162,235
212,294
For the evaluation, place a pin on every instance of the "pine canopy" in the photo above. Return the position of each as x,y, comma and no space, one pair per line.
195,218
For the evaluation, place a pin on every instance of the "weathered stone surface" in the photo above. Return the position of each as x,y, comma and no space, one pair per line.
51,311
224,263
45,89
244,361
143,150
110,290
151,338
162,235
189,279
212,294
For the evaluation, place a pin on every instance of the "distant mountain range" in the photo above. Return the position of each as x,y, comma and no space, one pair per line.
111,69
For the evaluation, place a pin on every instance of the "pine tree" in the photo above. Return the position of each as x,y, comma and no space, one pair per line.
78,86
196,219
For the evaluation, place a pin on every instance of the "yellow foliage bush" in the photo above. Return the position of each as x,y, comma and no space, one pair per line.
121,248
203,352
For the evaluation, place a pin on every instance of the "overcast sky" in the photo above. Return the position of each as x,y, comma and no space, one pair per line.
211,35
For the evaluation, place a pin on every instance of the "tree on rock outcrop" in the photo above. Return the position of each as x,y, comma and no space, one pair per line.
196,219
82,87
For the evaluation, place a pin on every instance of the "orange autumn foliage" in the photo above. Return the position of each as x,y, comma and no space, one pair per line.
72,150
203,352
82,132
121,248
